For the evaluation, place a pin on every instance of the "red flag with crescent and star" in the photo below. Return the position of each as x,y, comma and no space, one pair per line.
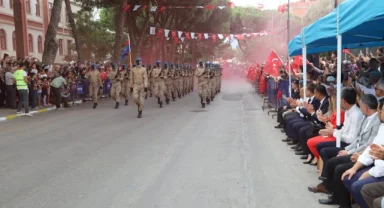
273,64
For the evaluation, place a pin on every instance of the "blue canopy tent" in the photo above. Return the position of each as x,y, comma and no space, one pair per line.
353,24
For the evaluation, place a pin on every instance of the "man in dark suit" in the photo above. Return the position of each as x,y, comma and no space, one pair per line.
310,129
293,124
294,96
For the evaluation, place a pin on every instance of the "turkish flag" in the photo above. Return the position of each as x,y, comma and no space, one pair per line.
209,7
199,36
231,4
298,61
187,36
347,51
240,37
273,64
173,34
282,8
162,8
214,36
126,7
159,32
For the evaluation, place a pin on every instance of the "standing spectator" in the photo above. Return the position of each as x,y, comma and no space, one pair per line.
33,90
56,86
10,89
2,88
21,78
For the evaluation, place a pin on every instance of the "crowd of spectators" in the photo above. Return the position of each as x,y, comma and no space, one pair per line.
59,84
353,172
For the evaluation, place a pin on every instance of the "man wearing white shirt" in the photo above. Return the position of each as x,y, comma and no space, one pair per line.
368,168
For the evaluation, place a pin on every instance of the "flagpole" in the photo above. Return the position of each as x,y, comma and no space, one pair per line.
130,52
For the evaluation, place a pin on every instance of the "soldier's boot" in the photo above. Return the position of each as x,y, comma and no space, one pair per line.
212,98
150,95
167,101
146,96
179,94
139,115
158,101
203,105
161,104
126,102
94,105
117,105
174,97
208,101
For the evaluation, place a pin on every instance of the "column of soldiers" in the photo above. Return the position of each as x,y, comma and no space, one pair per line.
165,82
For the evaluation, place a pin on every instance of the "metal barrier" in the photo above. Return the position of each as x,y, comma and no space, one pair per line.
284,93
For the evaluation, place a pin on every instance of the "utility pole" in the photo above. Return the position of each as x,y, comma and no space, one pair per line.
288,59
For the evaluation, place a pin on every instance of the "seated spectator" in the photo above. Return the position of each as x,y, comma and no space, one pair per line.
349,132
299,118
312,128
330,120
373,194
295,95
369,168
331,175
379,90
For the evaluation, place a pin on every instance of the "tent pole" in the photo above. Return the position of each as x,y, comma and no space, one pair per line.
338,90
289,60
305,70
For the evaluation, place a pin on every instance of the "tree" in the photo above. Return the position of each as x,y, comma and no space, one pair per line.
50,43
75,34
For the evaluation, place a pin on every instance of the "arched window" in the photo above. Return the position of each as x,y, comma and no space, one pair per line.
14,40
30,42
40,44
3,40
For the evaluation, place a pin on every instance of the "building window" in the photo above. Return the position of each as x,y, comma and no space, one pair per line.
69,47
11,4
3,40
30,43
28,6
61,47
50,10
40,44
37,8
14,40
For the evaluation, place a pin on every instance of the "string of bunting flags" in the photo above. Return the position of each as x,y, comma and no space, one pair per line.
129,7
182,35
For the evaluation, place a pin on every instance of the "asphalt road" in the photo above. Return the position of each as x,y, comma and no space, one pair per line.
227,155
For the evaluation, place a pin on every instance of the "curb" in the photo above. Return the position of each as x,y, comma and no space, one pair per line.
10,117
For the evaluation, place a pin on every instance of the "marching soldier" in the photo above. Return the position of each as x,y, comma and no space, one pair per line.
150,81
202,83
176,82
139,85
170,81
213,82
94,84
116,77
125,83
166,82
192,78
159,83
207,76
185,80
179,81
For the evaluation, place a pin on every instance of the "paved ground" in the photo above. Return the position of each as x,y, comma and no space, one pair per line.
181,156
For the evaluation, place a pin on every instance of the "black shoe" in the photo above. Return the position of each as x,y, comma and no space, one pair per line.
94,105
326,201
279,126
167,101
146,96
158,101
174,99
140,114
126,102
203,105
282,131
286,140
295,147
304,157
212,98
161,104
300,153
208,101
117,105
292,143
150,95
321,178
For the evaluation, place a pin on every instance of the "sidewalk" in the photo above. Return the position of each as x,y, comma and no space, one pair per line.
9,114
